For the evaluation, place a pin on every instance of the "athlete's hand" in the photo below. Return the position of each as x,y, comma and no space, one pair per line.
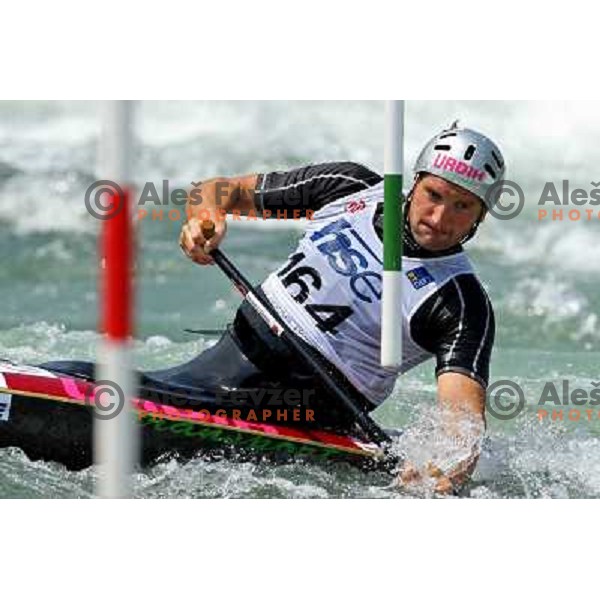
413,477
194,243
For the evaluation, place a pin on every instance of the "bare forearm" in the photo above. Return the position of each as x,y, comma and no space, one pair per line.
223,195
462,408
212,200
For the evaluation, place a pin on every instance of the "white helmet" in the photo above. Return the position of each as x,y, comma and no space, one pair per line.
466,158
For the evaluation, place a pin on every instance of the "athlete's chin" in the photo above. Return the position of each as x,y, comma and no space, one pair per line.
433,242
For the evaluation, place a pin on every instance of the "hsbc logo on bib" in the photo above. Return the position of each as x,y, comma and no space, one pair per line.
419,277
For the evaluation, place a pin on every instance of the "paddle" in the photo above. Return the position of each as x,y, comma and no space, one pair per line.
280,329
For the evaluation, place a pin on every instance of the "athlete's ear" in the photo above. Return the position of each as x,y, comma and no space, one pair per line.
483,214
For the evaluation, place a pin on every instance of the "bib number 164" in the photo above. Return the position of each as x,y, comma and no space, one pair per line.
327,316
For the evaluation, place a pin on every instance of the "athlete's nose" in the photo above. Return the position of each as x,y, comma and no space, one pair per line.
438,215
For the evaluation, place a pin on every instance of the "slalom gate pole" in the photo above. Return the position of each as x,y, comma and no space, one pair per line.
115,430
391,303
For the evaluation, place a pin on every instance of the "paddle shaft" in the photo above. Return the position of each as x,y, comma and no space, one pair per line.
280,329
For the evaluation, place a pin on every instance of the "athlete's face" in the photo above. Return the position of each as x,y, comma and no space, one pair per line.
441,213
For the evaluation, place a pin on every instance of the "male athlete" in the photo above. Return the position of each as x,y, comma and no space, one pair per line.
329,291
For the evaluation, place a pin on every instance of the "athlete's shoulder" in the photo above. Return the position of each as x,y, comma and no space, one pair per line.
457,325
313,186
342,171
471,290
463,297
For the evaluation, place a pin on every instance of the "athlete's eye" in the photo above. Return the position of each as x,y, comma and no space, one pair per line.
463,206
434,195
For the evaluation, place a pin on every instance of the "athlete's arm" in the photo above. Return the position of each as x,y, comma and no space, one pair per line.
461,426
457,325
303,191
213,200
462,408
279,194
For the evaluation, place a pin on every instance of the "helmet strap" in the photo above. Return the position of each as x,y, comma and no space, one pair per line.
475,227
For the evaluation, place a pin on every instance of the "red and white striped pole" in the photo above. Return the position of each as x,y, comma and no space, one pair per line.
115,430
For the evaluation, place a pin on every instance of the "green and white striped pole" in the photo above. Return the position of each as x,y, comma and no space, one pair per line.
391,305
